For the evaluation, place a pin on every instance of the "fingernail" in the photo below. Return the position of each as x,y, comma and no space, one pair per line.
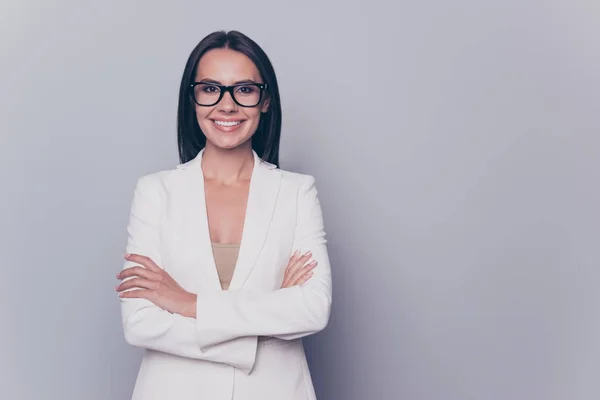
308,253
295,253
118,274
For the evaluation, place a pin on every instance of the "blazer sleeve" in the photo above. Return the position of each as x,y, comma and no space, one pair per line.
148,326
288,313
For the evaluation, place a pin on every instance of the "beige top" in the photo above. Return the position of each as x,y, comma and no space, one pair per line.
225,259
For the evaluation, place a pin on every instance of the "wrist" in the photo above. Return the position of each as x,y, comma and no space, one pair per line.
189,309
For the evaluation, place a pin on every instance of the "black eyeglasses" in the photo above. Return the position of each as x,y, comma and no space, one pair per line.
244,94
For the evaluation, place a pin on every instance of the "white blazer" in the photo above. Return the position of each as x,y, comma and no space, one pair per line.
245,343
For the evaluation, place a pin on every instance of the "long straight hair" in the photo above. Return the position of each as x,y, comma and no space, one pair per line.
190,138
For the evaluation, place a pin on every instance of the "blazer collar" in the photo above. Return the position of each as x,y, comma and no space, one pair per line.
198,161
264,189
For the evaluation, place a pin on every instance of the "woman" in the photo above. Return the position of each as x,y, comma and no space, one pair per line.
226,266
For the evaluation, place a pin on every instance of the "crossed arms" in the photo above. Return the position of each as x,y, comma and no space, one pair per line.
227,323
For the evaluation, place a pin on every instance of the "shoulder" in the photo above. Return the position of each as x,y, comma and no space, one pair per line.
155,183
169,177
298,180
303,188
154,180
304,185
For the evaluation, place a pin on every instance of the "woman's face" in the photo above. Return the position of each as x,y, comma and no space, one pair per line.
228,125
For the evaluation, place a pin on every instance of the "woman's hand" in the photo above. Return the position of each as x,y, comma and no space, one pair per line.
152,283
298,271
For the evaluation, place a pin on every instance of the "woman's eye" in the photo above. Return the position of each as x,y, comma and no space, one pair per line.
249,89
210,89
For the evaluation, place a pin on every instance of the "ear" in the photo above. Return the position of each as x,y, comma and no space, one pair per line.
265,105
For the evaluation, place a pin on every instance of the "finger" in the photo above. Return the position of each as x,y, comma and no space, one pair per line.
303,259
292,260
298,262
299,257
297,270
295,254
304,278
138,294
136,271
290,265
301,271
145,261
139,271
295,267
137,283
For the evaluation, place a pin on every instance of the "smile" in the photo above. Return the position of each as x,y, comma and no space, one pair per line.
227,123
227,126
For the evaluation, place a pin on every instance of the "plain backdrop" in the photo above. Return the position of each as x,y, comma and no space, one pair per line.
456,150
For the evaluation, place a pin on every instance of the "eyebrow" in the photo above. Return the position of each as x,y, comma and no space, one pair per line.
213,81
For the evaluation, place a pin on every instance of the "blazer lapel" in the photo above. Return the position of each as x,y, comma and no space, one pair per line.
195,232
262,198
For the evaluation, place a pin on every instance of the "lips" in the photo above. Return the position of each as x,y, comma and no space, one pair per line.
227,125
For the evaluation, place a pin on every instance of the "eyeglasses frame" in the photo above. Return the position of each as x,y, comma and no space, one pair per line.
263,87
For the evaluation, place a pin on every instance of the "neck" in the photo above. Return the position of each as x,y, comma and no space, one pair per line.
227,166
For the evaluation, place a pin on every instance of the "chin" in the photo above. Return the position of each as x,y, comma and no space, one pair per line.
226,140
226,143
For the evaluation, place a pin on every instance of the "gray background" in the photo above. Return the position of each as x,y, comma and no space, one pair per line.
456,151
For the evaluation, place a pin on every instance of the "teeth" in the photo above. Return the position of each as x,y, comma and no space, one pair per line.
228,123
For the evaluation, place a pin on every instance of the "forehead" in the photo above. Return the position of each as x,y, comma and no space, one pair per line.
226,66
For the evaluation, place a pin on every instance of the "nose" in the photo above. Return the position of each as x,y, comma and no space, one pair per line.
227,104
